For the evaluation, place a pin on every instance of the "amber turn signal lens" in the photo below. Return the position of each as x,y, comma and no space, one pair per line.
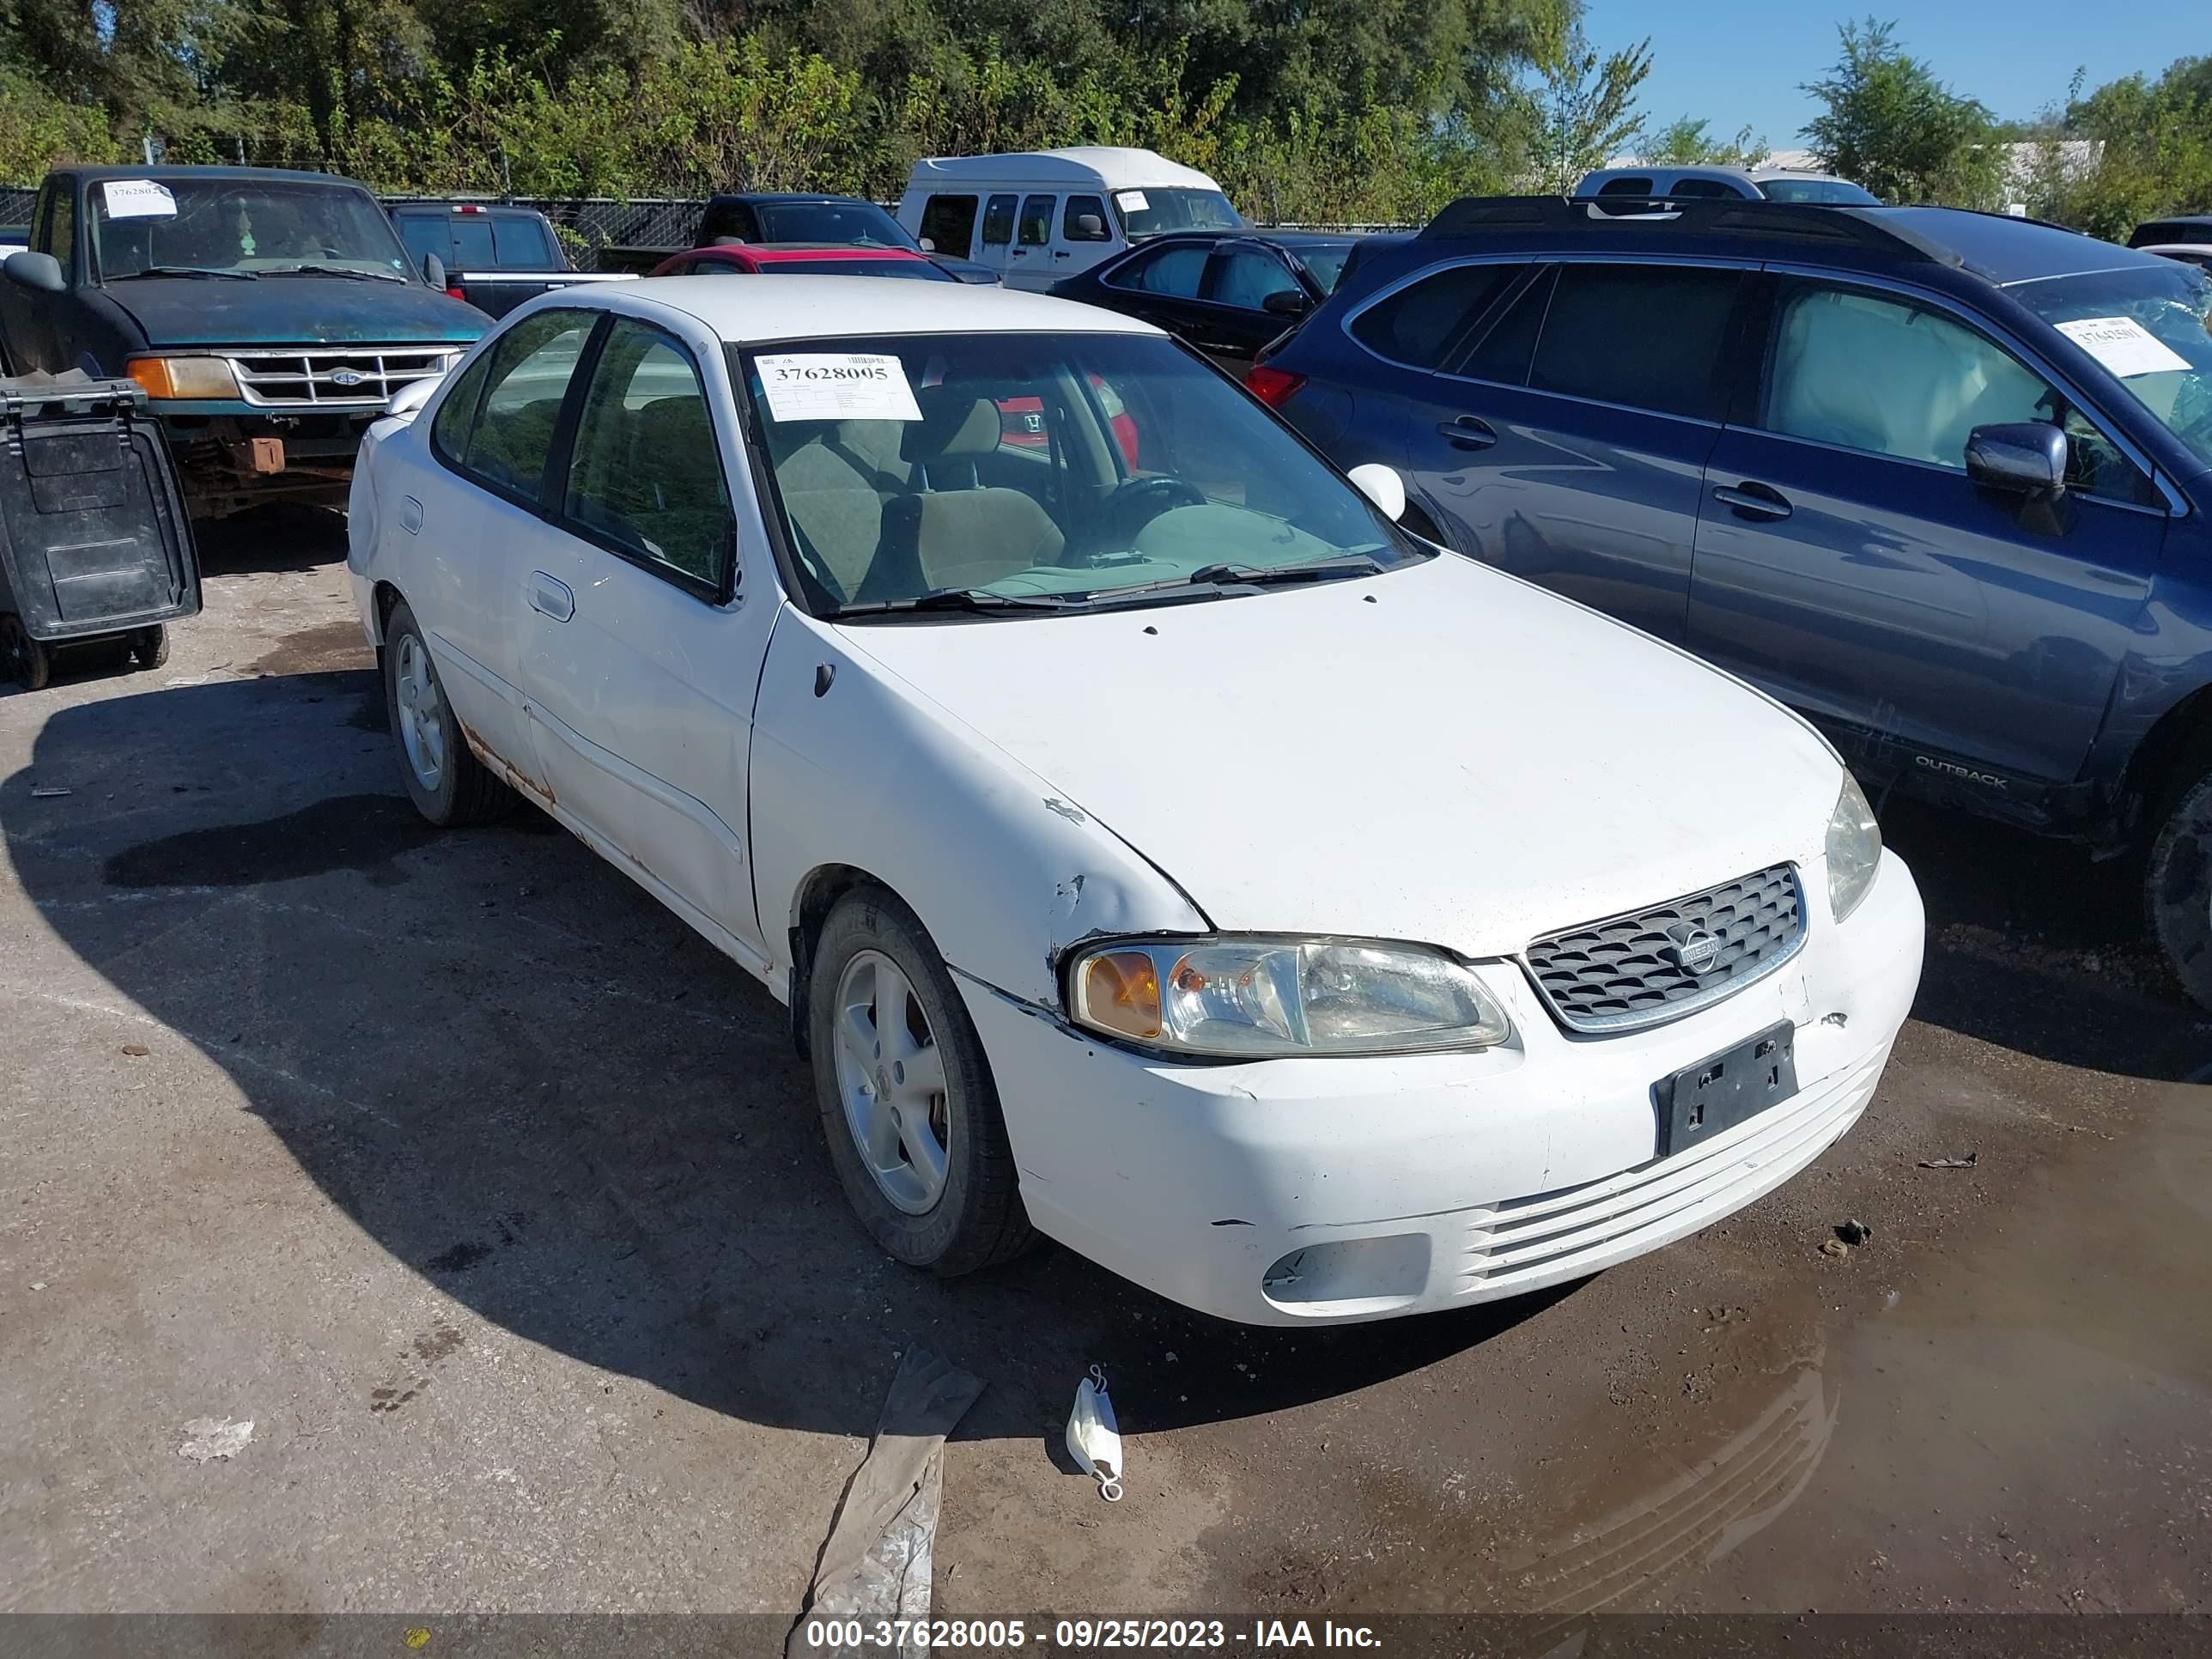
1122,993
204,378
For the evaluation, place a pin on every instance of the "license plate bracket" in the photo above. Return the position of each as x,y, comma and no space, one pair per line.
1724,1089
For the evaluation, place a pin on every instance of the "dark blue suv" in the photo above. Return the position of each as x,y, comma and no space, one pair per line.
1941,480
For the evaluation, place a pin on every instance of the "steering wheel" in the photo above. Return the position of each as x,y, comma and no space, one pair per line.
1135,502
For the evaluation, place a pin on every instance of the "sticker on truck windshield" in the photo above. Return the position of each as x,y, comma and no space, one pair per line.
1132,200
836,385
2124,345
137,199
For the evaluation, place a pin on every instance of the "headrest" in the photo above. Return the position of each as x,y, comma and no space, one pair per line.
955,423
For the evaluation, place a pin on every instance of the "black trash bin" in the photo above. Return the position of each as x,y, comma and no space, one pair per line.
95,546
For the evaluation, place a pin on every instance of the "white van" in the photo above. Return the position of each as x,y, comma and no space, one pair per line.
1036,218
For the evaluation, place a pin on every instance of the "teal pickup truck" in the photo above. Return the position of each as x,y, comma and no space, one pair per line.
269,315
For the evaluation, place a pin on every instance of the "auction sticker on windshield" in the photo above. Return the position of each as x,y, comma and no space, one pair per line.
836,385
1132,200
2124,345
137,199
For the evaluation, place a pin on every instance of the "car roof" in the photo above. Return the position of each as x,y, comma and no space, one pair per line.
859,307
1603,175
1301,238
1111,167
762,197
286,175
2180,219
1994,247
800,253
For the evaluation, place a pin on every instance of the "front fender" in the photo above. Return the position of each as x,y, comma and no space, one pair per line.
1004,871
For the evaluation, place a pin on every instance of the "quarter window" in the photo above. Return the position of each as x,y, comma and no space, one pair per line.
59,235
998,222
646,476
1866,372
1646,335
1424,324
1079,207
948,224
1036,221
504,432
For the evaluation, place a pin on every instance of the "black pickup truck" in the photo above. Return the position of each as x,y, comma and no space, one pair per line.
268,316
494,257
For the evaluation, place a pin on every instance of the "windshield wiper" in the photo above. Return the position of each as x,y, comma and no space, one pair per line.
975,599
185,270
1333,567
336,270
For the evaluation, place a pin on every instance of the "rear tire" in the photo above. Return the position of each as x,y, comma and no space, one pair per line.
2177,888
149,646
905,1092
26,660
447,783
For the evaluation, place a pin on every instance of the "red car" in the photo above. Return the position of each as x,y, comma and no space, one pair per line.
759,258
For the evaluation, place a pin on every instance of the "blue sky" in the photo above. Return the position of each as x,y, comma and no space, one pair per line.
1732,61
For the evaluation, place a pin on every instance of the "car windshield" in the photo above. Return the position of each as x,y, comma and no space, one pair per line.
2151,325
1324,262
837,223
253,227
1033,472
1154,212
1835,192
917,270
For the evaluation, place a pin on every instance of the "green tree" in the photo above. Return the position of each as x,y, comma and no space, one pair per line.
1891,125
1687,141
1584,102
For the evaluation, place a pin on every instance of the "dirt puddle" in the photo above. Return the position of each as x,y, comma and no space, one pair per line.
2026,1426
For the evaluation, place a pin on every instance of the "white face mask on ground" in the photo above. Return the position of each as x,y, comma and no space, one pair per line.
1094,1439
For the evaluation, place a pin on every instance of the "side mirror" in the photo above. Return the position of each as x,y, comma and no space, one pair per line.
929,244
1089,228
38,270
1382,485
1286,302
433,271
2025,456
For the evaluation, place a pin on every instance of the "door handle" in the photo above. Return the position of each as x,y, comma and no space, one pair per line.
1466,433
1755,501
1062,254
551,596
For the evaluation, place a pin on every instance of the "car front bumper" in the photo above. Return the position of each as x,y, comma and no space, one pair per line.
1297,1192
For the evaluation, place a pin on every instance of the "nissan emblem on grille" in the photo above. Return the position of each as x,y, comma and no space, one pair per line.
1667,960
1694,950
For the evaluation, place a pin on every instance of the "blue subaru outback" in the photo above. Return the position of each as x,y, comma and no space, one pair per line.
1941,480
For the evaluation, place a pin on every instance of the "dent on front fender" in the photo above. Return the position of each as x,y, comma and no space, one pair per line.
1004,871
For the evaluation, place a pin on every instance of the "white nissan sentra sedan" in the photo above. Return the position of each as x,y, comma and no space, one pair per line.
1157,848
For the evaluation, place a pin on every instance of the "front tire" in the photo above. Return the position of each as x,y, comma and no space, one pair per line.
447,783
2177,889
907,1100
26,660
149,646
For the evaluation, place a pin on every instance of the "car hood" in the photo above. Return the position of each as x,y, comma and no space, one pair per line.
1441,753
208,311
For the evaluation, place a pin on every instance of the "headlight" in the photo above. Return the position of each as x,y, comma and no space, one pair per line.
1854,849
206,378
1260,997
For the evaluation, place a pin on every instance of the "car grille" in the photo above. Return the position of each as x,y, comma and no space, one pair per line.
1627,972
305,379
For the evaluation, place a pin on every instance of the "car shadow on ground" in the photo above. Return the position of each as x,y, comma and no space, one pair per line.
278,537
523,1078
2034,946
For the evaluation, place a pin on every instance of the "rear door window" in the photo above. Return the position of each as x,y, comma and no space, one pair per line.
1245,277
998,222
1175,272
948,224
1625,187
512,436
1426,322
1649,337
1036,221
